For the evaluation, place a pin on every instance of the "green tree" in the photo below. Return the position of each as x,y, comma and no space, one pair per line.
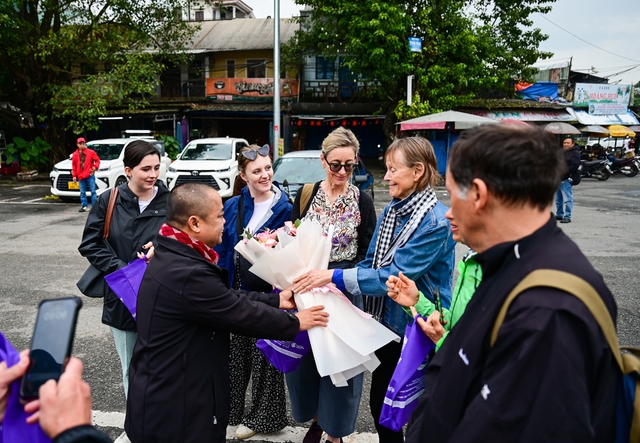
468,46
64,61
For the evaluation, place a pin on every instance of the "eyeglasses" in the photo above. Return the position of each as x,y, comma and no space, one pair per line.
335,166
252,154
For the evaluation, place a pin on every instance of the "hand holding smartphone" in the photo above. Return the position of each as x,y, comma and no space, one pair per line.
51,343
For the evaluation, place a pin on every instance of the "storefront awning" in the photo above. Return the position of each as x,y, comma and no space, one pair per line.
604,120
528,115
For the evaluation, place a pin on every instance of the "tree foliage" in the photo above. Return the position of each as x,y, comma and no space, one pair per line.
468,46
66,60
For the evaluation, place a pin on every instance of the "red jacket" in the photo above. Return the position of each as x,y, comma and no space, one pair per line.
91,161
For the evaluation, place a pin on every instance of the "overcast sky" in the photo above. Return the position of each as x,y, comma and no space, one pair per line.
606,34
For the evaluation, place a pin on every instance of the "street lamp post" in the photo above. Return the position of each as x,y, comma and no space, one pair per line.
276,78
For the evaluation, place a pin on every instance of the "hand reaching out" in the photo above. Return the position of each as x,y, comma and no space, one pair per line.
312,279
314,316
402,290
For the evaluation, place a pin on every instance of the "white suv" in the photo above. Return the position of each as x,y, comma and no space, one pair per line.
111,171
208,160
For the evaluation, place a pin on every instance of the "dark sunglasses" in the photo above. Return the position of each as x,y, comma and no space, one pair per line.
252,154
335,166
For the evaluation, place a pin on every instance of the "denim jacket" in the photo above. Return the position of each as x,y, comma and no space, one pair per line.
428,258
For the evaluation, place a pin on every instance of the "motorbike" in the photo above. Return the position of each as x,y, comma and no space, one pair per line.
598,169
628,167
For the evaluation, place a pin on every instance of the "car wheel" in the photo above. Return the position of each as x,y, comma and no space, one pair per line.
120,181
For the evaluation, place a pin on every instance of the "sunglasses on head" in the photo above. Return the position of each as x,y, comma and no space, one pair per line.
252,154
335,166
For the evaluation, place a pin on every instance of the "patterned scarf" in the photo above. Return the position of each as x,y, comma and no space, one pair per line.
417,206
205,251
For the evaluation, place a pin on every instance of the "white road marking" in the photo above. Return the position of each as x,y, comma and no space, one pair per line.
288,434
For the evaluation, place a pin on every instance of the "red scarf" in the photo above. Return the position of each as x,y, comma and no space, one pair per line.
205,251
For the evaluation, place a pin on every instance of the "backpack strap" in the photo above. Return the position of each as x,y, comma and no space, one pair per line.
628,362
305,196
106,230
240,217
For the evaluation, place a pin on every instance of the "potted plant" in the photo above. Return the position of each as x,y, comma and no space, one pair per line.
29,154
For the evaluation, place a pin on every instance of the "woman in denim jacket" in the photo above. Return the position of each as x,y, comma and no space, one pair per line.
412,236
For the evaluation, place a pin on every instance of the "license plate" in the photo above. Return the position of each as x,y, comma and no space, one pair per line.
74,185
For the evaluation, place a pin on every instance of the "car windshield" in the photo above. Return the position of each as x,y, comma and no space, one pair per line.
109,151
298,170
208,151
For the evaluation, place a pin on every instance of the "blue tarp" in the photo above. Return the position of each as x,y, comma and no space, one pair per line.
540,91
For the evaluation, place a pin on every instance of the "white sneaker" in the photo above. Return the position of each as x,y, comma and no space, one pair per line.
243,432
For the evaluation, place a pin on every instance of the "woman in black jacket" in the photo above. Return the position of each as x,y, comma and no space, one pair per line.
139,212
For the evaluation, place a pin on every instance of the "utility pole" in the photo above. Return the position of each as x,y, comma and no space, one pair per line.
276,79
409,89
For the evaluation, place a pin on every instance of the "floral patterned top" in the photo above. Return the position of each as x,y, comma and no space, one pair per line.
344,215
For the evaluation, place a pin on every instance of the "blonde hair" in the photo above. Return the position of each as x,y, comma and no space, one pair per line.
340,138
417,150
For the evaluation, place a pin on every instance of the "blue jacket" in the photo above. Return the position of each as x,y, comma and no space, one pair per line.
278,214
428,258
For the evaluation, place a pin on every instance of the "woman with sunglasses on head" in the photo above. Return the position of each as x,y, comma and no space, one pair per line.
412,236
260,206
335,202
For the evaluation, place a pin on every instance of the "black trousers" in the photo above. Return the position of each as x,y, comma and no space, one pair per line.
388,356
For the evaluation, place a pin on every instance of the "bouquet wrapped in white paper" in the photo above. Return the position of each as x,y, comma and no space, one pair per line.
345,348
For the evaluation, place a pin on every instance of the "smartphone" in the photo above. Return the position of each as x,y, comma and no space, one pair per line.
51,343
438,303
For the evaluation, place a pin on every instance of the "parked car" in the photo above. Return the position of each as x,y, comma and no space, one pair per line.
294,169
208,160
607,142
111,172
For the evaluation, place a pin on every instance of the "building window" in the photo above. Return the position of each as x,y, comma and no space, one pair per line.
231,68
324,68
199,16
257,68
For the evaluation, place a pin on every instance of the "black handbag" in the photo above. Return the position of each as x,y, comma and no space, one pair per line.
92,283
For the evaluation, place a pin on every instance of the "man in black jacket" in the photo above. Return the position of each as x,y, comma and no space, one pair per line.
550,376
564,196
179,373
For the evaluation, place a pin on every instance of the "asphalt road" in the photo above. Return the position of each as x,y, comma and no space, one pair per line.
39,259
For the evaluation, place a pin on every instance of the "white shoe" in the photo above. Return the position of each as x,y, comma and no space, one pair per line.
123,438
243,432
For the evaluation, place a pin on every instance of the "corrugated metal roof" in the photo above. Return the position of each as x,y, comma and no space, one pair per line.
240,34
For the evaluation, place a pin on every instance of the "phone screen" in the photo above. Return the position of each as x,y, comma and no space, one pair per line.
51,343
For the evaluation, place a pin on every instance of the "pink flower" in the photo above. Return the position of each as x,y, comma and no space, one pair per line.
263,236
270,243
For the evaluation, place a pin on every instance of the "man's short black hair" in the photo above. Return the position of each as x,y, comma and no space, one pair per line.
186,200
519,164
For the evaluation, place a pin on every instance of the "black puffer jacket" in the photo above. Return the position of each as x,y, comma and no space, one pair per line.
130,229
572,159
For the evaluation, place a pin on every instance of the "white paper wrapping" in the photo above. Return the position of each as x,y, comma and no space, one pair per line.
345,348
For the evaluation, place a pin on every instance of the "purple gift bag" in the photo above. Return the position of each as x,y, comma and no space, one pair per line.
14,426
407,382
125,282
285,356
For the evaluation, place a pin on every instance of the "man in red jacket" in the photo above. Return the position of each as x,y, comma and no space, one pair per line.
84,163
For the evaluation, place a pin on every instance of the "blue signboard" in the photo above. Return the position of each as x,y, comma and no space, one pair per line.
415,44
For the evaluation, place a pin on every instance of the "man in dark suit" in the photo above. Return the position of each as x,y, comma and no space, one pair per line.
179,374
